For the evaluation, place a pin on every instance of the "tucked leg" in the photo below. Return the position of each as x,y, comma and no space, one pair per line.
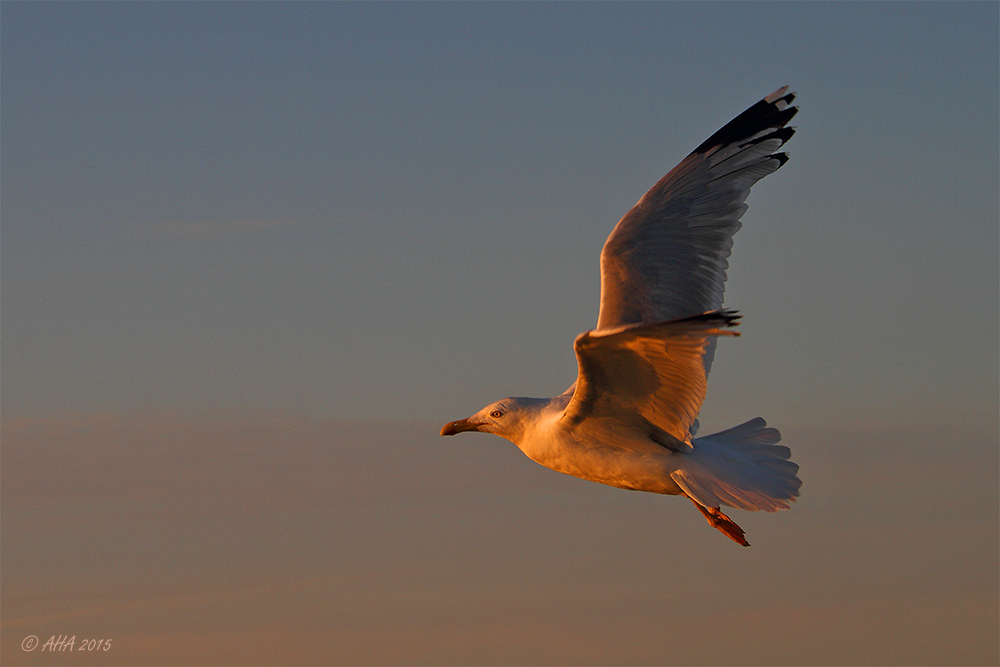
718,520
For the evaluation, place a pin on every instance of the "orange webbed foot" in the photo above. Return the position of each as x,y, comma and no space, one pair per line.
723,523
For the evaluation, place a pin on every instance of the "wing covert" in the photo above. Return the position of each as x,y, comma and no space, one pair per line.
655,371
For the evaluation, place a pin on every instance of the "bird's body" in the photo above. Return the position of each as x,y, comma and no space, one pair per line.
630,418
632,462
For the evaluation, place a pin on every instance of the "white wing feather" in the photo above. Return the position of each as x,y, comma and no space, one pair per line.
652,373
667,258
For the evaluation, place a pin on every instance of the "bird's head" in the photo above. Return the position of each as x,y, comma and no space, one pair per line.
509,418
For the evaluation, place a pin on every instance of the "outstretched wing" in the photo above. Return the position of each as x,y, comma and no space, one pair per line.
656,372
667,258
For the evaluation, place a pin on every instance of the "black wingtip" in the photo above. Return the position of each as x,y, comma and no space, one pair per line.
782,134
759,117
725,318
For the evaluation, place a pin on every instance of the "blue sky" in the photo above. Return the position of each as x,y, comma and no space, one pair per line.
374,218
245,203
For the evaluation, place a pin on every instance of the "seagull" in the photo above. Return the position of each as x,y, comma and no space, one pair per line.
630,418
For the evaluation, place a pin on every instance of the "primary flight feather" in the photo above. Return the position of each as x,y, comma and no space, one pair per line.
630,418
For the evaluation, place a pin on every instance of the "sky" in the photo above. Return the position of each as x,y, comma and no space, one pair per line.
254,255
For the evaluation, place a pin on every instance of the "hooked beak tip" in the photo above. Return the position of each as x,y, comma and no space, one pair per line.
451,428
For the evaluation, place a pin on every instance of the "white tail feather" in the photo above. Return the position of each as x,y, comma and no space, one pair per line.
741,467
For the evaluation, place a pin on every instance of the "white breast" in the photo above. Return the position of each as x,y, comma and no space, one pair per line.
617,457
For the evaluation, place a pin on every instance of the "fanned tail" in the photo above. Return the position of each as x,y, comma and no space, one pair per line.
741,467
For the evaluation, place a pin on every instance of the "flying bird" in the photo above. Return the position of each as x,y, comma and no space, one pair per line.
630,418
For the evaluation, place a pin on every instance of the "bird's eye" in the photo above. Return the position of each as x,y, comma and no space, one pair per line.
496,414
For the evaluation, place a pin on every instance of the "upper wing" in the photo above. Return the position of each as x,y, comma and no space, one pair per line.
655,371
666,259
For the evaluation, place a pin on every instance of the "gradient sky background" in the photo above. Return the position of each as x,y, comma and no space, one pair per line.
254,255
